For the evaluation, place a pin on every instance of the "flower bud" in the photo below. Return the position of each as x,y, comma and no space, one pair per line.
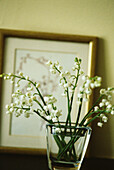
20,73
100,124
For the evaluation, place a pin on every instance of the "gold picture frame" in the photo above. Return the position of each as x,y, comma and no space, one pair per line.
51,38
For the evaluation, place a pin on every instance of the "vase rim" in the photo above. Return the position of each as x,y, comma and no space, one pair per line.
62,124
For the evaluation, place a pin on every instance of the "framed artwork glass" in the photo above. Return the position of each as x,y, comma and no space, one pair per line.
27,52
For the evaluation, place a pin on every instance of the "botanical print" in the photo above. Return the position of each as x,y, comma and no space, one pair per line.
45,81
32,63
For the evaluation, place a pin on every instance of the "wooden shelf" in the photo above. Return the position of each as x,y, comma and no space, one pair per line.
39,162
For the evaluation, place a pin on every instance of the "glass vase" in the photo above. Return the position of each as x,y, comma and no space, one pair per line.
66,145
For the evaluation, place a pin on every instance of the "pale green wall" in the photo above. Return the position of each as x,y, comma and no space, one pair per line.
84,17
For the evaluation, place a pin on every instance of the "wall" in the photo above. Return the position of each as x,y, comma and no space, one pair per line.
84,17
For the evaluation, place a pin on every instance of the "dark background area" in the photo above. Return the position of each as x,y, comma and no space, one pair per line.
39,162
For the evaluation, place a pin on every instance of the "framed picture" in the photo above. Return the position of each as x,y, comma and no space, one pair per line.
27,52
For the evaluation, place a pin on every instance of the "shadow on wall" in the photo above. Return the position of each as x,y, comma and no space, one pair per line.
101,145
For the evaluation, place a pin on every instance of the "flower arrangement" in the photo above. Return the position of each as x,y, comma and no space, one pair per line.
24,103
32,101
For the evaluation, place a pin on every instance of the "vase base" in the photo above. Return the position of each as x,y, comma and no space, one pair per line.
65,168
60,166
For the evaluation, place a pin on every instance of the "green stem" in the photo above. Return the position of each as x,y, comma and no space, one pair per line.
57,69
49,121
23,78
70,106
40,106
58,141
93,119
99,112
24,108
69,115
85,117
69,145
79,111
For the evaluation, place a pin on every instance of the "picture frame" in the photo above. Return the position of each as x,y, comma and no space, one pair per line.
64,43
